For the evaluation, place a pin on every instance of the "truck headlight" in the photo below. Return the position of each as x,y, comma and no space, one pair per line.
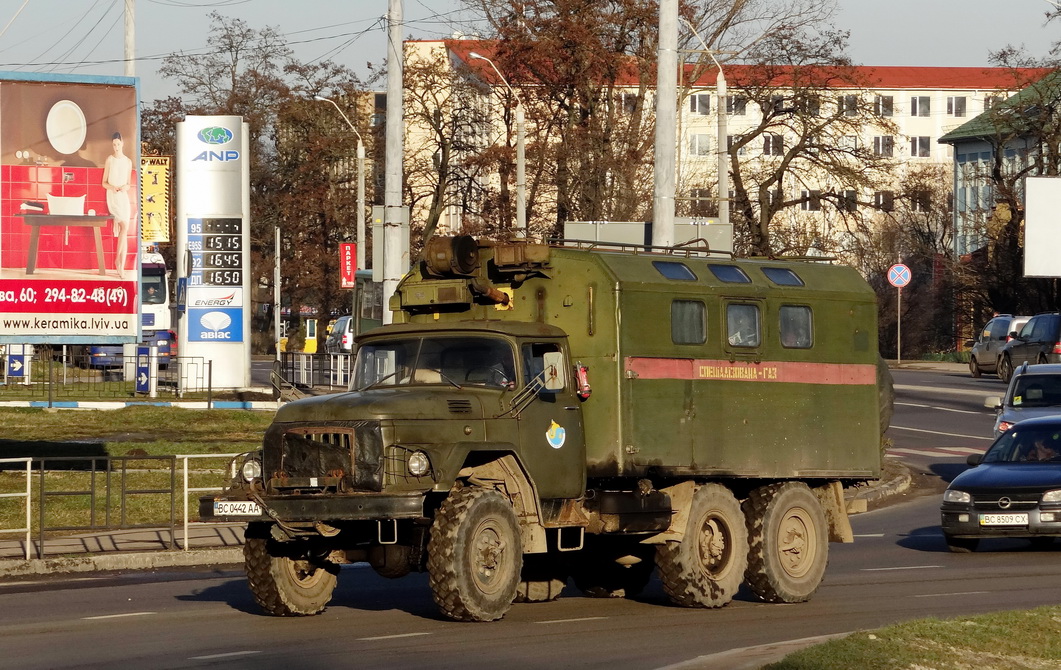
419,464
251,469
954,496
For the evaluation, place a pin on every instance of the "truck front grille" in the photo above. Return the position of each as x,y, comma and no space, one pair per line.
334,458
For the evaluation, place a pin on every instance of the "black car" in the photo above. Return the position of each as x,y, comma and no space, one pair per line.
1039,341
1013,490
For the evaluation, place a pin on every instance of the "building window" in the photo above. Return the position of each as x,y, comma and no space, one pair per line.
956,105
847,104
883,145
773,144
991,101
883,105
920,105
848,201
733,139
777,104
736,105
849,143
700,145
700,104
796,327
921,201
688,322
921,147
884,200
812,201
629,102
702,203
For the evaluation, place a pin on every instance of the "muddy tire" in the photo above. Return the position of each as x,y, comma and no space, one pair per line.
707,567
788,542
474,555
597,574
542,580
974,368
961,545
1005,369
287,586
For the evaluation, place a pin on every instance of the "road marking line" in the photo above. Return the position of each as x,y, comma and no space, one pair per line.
901,567
230,654
871,535
915,452
588,618
116,616
935,391
964,450
959,593
937,432
65,581
937,407
390,637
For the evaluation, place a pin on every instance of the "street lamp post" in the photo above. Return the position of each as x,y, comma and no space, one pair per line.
361,246
723,133
521,155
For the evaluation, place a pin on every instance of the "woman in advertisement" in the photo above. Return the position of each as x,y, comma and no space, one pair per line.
116,172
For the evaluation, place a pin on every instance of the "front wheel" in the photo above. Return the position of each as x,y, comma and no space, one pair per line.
475,556
974,369
1005,369
788,544
706,567
287,585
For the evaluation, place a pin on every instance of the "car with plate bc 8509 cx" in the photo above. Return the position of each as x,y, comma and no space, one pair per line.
546,413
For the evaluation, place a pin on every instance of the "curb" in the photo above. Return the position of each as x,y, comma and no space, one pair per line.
131,561
894,486
751,658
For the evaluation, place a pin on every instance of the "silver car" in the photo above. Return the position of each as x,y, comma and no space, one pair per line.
1033,391
986,349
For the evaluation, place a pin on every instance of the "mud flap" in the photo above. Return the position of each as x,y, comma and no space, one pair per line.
831,498
681,496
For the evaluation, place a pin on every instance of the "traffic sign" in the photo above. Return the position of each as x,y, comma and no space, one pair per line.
898,275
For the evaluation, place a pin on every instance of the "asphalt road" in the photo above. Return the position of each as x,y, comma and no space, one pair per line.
897,569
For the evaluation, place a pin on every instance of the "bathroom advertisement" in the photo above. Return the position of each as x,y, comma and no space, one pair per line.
69,209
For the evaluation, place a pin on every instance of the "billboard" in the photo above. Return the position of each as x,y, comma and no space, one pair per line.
154,198
1041,232
69,161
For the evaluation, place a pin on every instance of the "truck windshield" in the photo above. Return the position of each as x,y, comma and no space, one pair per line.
484,361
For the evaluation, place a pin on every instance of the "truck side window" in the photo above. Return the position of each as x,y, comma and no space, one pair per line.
688,322
742,323
534,359
796,327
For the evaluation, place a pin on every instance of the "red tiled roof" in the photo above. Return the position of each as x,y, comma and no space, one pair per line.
882,77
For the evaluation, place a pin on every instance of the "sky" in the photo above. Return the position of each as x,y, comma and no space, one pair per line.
86,36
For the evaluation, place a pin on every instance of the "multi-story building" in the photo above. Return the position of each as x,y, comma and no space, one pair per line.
903,112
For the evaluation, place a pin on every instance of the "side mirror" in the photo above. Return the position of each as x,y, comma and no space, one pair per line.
974,460
555,375
992,402
1015,335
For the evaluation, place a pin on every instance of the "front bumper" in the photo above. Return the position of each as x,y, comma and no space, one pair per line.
965,522
309,508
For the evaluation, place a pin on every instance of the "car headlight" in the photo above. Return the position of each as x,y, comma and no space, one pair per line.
419,464
954,496
1052,496
251,469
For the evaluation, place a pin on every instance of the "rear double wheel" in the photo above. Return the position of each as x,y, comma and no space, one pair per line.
475,555
788,542
285,579
707,566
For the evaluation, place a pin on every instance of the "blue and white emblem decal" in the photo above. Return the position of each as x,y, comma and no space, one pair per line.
555,435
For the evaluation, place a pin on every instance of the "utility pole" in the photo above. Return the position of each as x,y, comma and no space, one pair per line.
666,121
723,131
130,38
395,258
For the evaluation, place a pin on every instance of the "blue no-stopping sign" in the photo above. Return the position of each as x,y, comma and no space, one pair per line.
898,275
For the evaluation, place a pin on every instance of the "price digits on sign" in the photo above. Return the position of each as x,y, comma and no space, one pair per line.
220,255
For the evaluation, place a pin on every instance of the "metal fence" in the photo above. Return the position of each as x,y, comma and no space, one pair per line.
313,372
100,493
69,373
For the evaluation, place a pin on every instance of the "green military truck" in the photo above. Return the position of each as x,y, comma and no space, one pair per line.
538,414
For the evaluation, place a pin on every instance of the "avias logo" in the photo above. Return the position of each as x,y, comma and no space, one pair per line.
223,301
214,325
216,135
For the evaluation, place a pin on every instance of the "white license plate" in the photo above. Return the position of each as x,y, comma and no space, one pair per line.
237,508
1003,519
